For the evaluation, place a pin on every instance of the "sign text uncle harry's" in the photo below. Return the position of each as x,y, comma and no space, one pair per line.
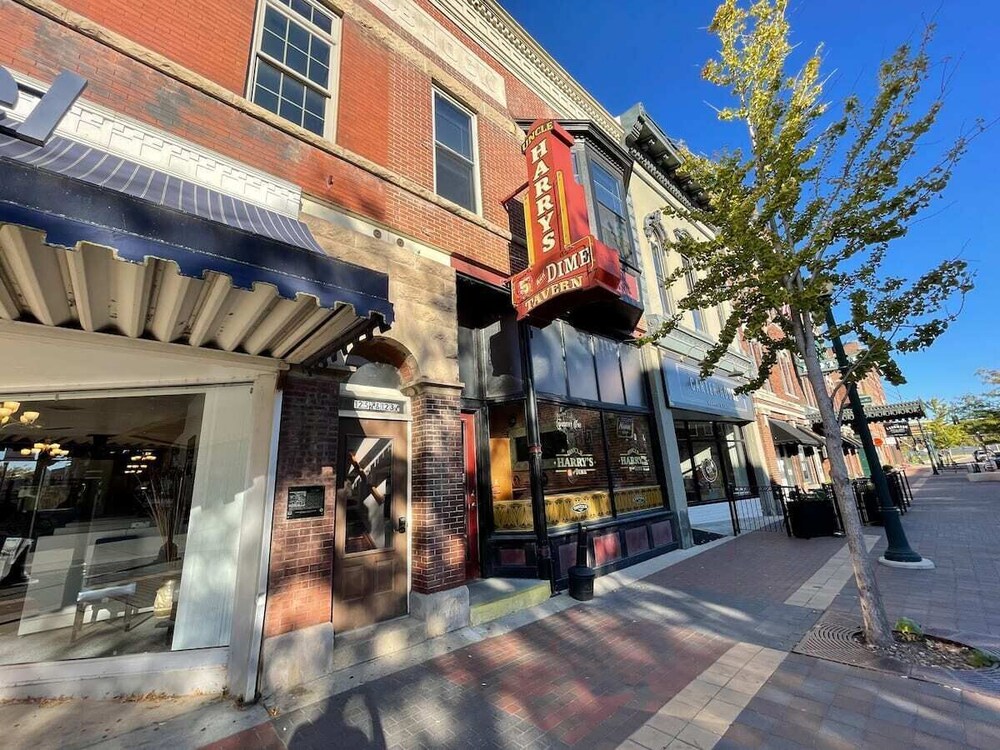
564,258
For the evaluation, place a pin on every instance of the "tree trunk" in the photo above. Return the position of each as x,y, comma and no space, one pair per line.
876,624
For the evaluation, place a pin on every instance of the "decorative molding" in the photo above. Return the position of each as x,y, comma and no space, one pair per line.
661,177
442,42
503,38
116,134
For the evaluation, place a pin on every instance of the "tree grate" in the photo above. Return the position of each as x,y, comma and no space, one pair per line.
834,638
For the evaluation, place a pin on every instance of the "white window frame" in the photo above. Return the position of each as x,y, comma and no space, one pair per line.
334,39
474,127
690,279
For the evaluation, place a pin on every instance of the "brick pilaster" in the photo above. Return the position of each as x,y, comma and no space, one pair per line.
300,585
437,499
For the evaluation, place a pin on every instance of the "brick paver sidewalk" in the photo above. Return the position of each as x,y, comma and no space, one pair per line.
659,664
696,655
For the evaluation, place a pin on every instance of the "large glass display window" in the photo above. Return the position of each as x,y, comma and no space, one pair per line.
119,522
575,469
632,458
714,461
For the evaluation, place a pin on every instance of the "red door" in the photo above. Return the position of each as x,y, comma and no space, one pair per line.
471,501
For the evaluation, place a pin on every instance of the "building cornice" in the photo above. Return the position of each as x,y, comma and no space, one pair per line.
499,34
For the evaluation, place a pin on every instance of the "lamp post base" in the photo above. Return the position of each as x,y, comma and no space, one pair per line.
922,564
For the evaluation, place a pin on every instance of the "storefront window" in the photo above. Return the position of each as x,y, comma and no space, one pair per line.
119,523
633,463
509,477
575,472
736,448
713,458
708,470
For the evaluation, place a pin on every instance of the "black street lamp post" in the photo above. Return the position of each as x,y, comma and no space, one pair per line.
899,552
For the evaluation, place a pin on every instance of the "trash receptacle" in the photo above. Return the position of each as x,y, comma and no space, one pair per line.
581,575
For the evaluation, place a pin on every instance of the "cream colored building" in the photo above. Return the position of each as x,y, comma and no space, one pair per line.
709,429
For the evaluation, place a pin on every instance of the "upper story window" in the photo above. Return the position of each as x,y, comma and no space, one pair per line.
293,73
656,235
785,367
609,207
690,279
455,152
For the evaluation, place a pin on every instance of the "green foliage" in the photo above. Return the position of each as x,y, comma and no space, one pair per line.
807,216
979,659
942,429
979,413
908,629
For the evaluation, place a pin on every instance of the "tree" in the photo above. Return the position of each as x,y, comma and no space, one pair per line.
980,412
943,428
805,216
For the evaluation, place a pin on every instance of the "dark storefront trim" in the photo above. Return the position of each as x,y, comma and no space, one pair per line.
564,390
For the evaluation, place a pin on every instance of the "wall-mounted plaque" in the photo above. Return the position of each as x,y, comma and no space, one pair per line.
306,502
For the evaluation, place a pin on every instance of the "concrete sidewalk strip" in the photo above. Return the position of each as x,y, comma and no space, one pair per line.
824,585
702,712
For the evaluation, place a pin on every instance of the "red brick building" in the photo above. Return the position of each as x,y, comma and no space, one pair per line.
255,259
787,414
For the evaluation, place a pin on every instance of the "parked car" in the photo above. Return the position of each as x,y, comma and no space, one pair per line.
981,455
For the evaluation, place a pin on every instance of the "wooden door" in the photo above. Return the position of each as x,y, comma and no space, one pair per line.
369,566
471,496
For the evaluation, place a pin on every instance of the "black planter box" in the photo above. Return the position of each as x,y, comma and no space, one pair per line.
809,518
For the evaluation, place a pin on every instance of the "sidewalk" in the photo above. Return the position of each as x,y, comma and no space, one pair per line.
696,654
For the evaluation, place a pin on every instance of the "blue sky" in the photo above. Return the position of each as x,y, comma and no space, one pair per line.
652,51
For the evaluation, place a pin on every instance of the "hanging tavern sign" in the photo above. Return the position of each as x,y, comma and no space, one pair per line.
564,259
46,115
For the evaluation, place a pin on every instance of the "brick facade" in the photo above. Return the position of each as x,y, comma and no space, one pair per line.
300,583
186,73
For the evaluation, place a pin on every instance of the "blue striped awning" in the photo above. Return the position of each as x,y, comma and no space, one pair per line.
79,194
89,164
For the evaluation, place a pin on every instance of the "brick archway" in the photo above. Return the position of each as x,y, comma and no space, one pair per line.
389,351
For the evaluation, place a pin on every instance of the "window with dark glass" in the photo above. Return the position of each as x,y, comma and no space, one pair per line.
454,152
502,357
580,364
609,207
609,373
547,361
292,66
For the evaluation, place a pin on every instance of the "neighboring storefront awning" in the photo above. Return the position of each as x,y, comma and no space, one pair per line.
851,442
123,248
785,433
888,412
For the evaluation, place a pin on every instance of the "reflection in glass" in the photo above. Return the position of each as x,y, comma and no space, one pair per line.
95,534
547,361
367,492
